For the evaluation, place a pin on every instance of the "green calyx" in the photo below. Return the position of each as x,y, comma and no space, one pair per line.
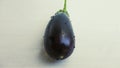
64,10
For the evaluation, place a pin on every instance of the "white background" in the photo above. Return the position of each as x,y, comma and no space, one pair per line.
96,25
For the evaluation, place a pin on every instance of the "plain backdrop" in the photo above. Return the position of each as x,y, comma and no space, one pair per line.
96,25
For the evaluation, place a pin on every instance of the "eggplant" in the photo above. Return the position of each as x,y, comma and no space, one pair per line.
59,39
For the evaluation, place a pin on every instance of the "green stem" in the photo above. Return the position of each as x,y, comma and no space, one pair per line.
64,10
65,5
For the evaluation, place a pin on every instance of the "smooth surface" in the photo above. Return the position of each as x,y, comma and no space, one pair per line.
96,25
59,38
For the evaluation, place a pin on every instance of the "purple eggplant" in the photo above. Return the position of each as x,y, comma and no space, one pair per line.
59,39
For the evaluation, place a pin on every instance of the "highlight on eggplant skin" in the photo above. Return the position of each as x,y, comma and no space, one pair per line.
59,39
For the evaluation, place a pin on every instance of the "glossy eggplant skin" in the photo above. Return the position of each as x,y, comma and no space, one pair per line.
59,39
